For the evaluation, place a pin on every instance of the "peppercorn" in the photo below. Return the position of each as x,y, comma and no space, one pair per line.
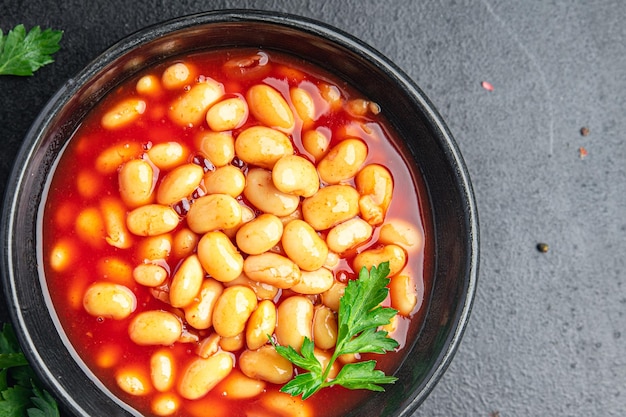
543,247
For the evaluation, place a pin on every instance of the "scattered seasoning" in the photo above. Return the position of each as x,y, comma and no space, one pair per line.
584,131
543,247
494,414
487,85
582,152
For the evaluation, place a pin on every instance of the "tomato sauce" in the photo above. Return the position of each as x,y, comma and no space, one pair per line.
103,343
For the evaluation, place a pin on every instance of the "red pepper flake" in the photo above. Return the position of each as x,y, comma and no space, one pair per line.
582,152
487,85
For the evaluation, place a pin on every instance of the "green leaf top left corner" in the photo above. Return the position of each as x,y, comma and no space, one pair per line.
22,53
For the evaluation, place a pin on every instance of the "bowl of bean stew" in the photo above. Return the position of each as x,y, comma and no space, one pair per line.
240,213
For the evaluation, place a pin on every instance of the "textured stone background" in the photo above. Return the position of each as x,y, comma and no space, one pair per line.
547,336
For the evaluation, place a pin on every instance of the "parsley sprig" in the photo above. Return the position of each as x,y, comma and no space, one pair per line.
359,319
24,53
20,391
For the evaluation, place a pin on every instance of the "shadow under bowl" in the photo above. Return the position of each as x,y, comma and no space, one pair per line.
424,140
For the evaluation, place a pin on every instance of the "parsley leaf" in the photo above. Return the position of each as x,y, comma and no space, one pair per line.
9,360
23,53
46,406
362,375
20,392
306,384
360,316
14,401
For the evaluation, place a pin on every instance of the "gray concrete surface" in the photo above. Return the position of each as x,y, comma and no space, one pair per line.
547,336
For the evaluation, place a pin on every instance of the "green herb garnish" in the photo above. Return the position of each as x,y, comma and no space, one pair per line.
23,53
20,392
360,317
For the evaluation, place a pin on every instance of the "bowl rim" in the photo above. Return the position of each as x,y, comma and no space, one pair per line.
49,112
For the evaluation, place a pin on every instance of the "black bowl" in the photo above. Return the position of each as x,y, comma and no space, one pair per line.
425,140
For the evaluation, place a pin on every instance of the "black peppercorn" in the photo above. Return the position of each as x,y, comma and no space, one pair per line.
543,247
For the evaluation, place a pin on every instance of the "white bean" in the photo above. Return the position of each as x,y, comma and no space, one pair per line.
218,147
324,327
148,85
133,381
343,161
155,327
149,275
332,296
213,212
202,375
262,146
233,343
293,174
162,369
260,234
304,104
294,319
227,114
106,299
165,404
184,242
375,184
90,227
114,216
109,160
263,194
179,183
269,107
219,257
272,268
190,108
314,282
262,322
135,179
186,282
348,235
177,76
115,269
154,248
286,405
402,233
225,180
403,294
330,206
199,314
316,142
123,113
238,386
168,155
208,346
265,364
304,246
394,254
62,255
152,220
233,309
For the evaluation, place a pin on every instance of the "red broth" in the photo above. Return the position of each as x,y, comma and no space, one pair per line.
78,240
